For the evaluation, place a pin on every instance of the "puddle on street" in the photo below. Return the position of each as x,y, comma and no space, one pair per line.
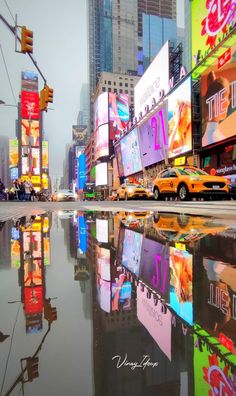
132,303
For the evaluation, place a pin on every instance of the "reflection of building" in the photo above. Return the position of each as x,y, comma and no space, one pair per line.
5,245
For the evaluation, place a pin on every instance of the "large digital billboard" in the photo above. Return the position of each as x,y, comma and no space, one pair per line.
118,114
101,174
30,105
81,171
30,133
218,99
35,170
132,248
29,81
102,141
211,21
45,154
13,153
130,151
153,135
154,83
101,110
180,120
119,160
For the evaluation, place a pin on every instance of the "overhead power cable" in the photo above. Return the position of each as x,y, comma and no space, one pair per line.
8,75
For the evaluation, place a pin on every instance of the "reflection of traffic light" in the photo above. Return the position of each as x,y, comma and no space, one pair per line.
50,313
32,364
46,96
26,40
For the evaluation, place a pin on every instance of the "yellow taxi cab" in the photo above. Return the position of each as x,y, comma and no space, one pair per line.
188,180
131,190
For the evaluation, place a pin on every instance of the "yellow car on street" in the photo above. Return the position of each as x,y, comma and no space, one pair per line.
187,181
131,191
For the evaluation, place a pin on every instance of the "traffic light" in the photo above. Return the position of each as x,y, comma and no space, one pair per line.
50,313
43,103
48,94
32,364
26,40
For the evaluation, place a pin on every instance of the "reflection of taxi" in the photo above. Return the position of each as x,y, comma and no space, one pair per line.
131,190
183,228
186,180
113,195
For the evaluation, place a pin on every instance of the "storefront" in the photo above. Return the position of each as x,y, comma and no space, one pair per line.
220,160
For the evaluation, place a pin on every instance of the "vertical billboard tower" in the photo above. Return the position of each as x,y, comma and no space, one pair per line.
30,137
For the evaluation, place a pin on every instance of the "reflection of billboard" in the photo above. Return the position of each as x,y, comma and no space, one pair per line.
45,154
118,114
25,161
46,251
29,81
15,253
154,268
130,152
30,133
102,230
121,294
103,278
102,141
35,162
30,105
156,322
154,80
33,299
218,94
82,234
210,22
180,120
101,174
119,160
33,272
32,242
13,153
81,171
101,110
132,248
154,138
181,296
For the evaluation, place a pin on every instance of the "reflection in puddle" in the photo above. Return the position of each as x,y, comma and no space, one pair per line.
154,314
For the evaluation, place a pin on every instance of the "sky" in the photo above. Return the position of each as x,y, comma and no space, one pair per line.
61,51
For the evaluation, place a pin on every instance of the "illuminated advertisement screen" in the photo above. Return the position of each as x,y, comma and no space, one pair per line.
45,154
103,278
35,161
33,299
82,234
15,253
118,114
33,272
218,101
154,267
30,105
180,120
30,133
132,248
81,171
14,173
32,243
102,230
25,160
13,153
130,152
153,137
119,160
210,23
157,323
101,110
102,141
46,250
212,375
101,174
181,296
154,81
29,81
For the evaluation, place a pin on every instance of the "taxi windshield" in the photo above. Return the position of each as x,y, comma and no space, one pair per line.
191,171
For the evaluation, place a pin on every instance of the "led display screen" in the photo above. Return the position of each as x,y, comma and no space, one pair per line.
29,81
218,100
30,105
13,153
121,294
101,110
81,171
118,114
211,20
35,162
155,321
30,133
102,230
181,295
101,174
45,154
130,152
119,160
102,141
132,248
154,81
180,120
153,137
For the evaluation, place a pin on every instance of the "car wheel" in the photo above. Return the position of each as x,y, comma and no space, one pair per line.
183,220
156,194
183,192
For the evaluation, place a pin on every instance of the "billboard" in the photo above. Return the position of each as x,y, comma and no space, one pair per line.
218,101
153,137
180,120
101,110
30,133
102,230
15,253
101,174
29,81
33,299
79,133
25,160
30,105
13,153
45,154
119,160
35,161
211,21
157,323
102,141
81,171
154,83
130,152
118,114
132,248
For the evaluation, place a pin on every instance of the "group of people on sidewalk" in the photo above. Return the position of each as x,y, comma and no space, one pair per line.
20,191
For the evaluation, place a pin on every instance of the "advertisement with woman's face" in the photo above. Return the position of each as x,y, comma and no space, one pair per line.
101,110
179,120
218,94
118,113
102,141
130,151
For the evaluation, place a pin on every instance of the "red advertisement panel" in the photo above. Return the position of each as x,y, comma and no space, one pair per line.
30,105
33,299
